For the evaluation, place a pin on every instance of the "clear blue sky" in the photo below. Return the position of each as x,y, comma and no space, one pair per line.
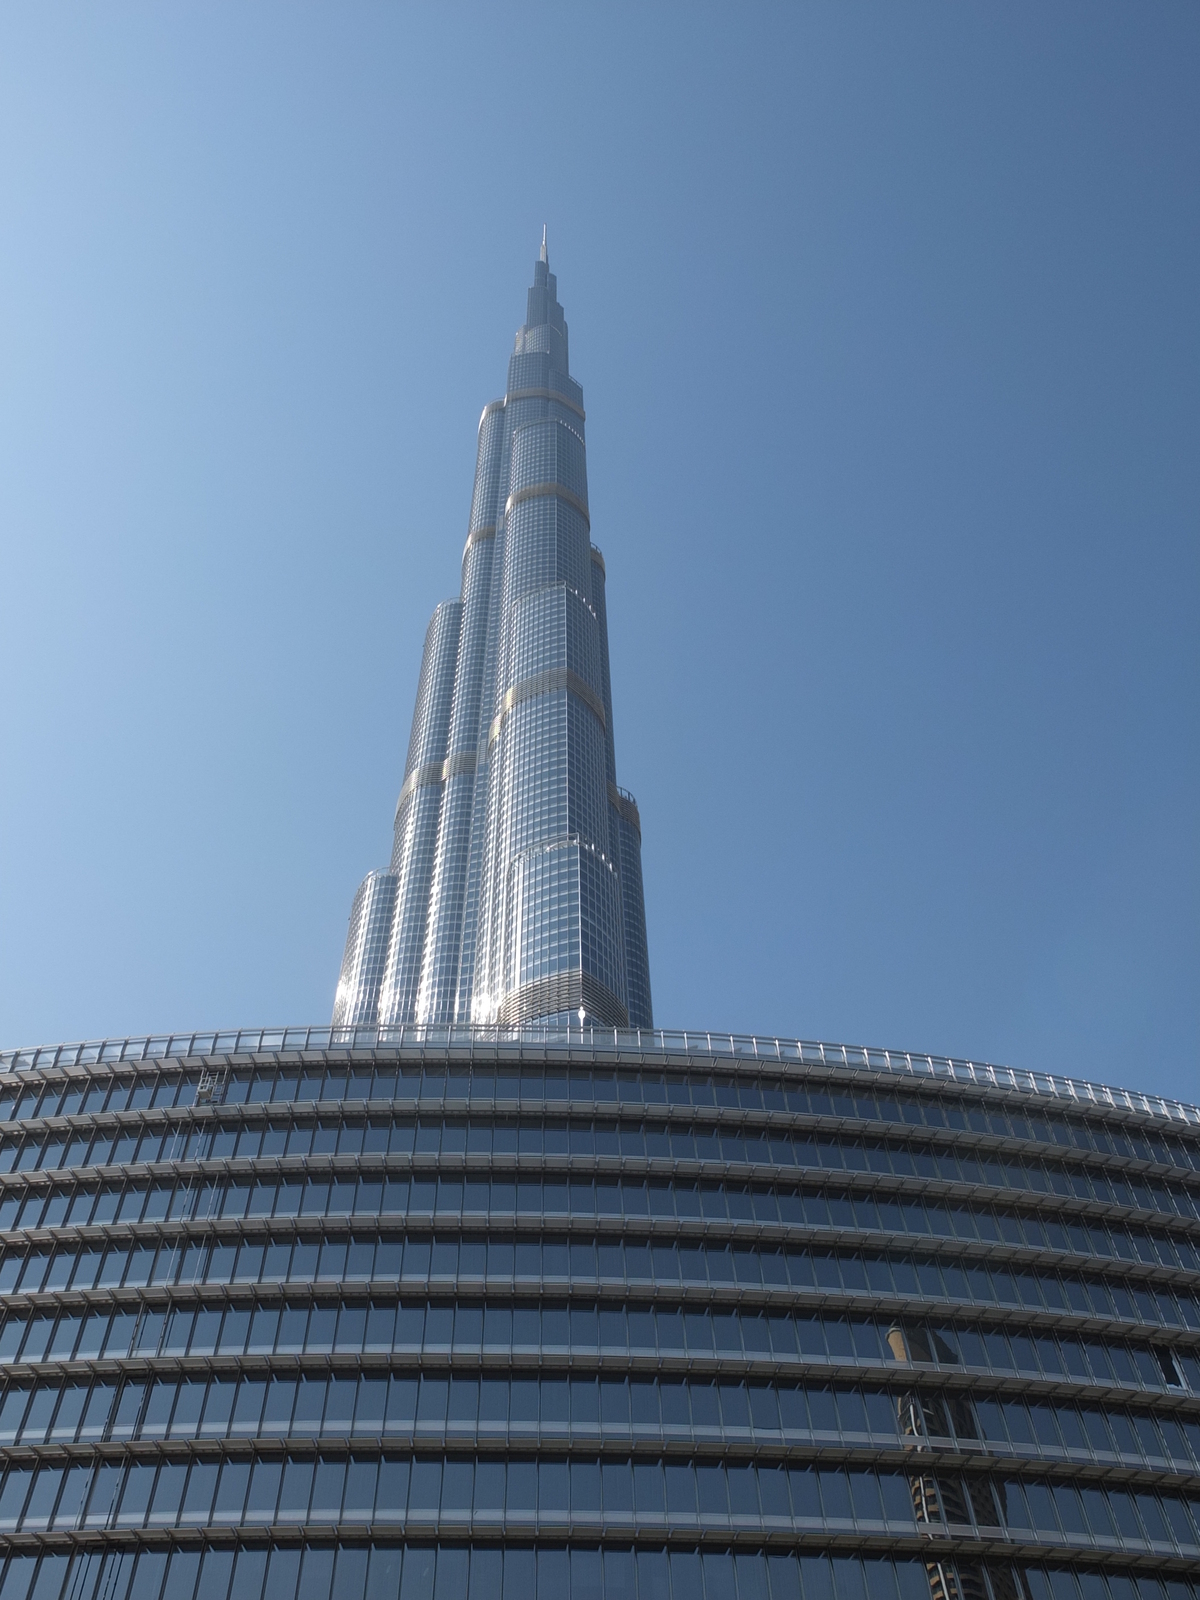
887,321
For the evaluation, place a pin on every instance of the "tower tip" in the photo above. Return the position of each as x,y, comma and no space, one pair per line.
544,256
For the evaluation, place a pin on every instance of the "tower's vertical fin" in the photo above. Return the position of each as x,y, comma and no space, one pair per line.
633,912
448,894
417,814
625,833
357,1001
475,897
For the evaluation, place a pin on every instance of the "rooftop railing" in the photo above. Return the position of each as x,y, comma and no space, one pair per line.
596,1044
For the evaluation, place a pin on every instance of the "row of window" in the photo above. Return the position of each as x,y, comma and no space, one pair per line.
508,1493
422,1489
411,1404
583,1330
365,1258
489,1082
499,1200
377,1571
470,1406
406,1136
1078,1430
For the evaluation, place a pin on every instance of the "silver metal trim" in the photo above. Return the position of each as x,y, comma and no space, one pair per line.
638,1046
461,761
419,778
538,491
549,682
478,535
547,394
436,772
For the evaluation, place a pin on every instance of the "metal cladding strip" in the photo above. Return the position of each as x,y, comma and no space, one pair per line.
772,1178
549,682
797,1171
780,1123
530,1360
642,1048
461,761
555,491
766,1178
478,535
437,772
1166,1342
610,1293
591,1440
420,778
547,394
931,1542
745,1238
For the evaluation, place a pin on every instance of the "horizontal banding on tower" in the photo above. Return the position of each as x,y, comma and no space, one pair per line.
557,491
549,682
437,772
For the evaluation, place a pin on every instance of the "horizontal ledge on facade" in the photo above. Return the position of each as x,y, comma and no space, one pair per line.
480,535
547,394
1117,1269
774,1173
547,491
638,1294
558,1362
653,1050
432,774
673,1531
575,1109
580,1444
553,681
635,1292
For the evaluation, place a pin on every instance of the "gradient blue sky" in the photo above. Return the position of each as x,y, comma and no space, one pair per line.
887,322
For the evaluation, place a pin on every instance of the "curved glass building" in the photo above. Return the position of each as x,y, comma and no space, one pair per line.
448,1315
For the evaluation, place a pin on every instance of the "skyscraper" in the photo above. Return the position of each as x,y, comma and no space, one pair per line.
514,893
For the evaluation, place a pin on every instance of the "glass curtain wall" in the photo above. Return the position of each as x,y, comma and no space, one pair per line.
572,1320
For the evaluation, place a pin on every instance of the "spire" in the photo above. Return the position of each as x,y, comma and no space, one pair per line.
544,257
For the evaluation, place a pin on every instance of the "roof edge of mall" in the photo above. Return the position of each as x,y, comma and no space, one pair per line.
632,1047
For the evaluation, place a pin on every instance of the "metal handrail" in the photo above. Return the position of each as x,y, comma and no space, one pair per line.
594,1043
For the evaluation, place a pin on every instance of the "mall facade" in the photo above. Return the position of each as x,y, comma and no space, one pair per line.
616,1316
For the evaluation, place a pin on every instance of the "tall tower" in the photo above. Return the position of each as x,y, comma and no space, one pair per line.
514,893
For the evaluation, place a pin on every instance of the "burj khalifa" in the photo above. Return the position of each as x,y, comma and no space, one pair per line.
514,892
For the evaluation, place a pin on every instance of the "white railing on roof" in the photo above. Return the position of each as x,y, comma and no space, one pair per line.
595,1043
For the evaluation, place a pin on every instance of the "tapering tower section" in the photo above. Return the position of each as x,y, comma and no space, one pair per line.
514,893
